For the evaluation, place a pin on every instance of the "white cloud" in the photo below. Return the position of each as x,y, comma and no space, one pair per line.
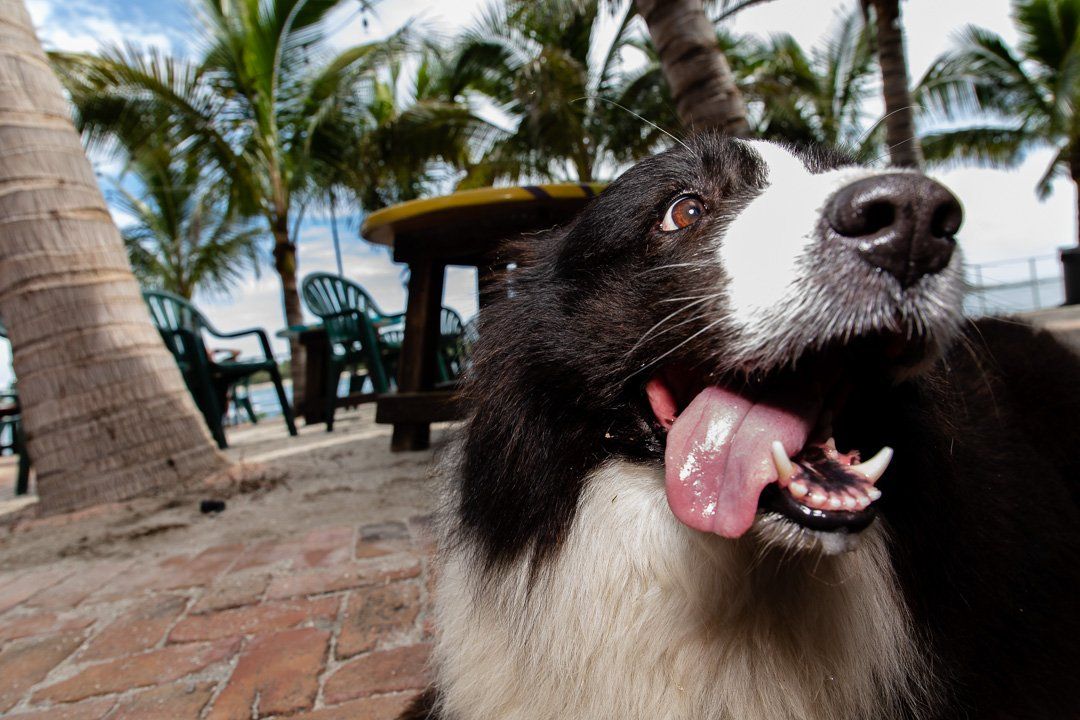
83,26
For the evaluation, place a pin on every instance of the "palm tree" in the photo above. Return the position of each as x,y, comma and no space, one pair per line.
107,414
538,64
1004,102
697,72
903,143
792,95
249,109
816,97
403,138
184,237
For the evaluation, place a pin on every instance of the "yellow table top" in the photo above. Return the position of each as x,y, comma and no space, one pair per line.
379,226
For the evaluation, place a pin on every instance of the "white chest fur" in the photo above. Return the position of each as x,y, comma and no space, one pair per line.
641,618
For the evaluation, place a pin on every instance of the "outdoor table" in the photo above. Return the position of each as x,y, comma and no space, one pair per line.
465,228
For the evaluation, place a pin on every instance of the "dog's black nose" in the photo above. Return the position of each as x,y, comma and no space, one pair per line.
903,223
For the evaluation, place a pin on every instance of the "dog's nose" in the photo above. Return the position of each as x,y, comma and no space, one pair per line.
903,223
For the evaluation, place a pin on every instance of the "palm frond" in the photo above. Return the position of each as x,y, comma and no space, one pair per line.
989,146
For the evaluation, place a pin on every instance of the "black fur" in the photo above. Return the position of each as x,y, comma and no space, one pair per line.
982,497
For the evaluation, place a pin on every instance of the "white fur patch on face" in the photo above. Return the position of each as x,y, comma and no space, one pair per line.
764,248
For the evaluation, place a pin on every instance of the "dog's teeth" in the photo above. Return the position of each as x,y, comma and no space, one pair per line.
783,463
831,444
834,503
874,468
849,502
798,489
873,493
863,502
816,498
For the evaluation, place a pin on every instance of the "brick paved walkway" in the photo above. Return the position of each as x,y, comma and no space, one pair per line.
305,599
329,624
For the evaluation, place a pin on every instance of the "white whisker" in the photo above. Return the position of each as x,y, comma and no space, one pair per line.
645,336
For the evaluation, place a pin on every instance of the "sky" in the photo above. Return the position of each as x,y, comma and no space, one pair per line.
1004,220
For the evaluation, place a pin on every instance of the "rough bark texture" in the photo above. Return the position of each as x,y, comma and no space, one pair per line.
285,264
106,411
904,147
701,82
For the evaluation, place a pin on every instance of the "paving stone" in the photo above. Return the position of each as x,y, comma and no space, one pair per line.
202,569
279,672
374,614
325,547
140,628
365,549
17,588
254,619
382,671
365,572
384,531
135,671
267,553
24,663
179,701
78,586
174,572
383,707
95,709
234,589
15,626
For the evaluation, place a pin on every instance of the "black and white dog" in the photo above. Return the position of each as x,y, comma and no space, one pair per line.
736,454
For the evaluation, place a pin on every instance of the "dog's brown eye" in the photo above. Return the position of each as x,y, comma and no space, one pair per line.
684,212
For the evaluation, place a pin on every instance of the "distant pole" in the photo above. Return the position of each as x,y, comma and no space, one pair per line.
334,232
982,288
1032,268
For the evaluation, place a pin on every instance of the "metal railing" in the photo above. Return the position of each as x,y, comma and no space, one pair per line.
1014,286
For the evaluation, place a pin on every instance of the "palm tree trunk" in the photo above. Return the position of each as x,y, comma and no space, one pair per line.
106,411
1070,256
701,82
337,240
904,148
285,264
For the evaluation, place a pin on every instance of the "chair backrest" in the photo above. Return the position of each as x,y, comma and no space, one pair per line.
451,344
172,312
326,294
450,324
180,325
346,310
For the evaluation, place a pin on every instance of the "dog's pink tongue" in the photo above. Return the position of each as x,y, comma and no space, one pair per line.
719,455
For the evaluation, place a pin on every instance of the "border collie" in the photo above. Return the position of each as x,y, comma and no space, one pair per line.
737,454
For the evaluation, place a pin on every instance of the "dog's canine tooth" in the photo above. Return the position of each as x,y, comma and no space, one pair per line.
783,463
874,468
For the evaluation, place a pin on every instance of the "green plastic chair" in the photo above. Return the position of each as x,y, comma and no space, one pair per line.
358,331
182,327
451,355
12,437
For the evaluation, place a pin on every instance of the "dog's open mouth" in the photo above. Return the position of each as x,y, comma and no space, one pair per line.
738,447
